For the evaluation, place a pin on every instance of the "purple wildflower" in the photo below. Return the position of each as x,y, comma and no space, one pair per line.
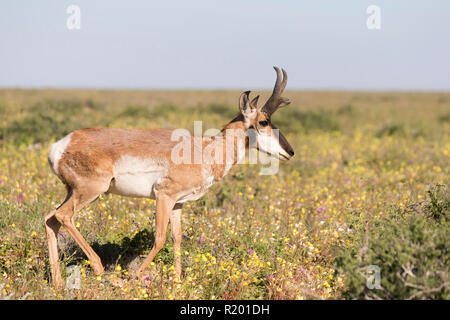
250,251
320,209
63,234
20,198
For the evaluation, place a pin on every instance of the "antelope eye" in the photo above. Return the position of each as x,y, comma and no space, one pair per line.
263,123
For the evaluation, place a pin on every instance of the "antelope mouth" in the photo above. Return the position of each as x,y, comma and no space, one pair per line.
283,157
279,157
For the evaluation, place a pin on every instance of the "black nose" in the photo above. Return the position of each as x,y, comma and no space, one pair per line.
291,152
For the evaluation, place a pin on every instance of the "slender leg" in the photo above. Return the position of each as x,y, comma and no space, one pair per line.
164,206
52,226
76,203
94,259
175,227
63,216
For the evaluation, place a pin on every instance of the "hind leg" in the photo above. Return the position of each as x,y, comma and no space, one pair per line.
63,216
81,198
52,226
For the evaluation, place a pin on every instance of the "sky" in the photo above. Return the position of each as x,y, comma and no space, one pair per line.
209,44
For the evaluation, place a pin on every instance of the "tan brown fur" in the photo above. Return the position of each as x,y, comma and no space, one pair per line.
86,161
88,164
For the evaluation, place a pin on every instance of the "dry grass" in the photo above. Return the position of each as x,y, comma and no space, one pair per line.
250,236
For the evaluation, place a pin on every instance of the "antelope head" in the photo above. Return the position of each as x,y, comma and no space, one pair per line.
268,138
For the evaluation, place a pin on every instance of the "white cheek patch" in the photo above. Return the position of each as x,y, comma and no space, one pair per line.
270,144
56,152
137,177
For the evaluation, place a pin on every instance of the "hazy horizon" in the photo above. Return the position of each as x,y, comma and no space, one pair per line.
211,45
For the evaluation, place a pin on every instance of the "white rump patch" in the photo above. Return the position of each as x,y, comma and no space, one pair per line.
56,152
137,177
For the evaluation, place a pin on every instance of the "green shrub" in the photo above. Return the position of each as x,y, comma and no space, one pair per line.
220,109
347,110
136,111
410,248
297,121
50,119
390,130
164,110
445,117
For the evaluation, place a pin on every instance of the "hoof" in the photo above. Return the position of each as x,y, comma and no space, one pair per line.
98,269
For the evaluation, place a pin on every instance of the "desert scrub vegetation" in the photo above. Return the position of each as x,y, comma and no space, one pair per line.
368,186
408,246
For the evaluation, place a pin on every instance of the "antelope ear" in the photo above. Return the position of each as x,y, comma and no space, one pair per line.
254,102
243,102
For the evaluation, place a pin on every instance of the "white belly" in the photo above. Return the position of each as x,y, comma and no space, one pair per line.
136,177
131,185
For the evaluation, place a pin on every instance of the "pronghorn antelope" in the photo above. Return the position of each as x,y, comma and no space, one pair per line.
140,163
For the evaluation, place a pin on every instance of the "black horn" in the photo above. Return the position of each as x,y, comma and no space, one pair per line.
276,101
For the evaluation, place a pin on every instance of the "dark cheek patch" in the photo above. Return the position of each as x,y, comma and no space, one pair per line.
284,143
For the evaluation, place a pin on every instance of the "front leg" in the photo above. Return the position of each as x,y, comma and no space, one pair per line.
164,206
175,227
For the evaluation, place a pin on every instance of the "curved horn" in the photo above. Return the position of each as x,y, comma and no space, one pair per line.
276,101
